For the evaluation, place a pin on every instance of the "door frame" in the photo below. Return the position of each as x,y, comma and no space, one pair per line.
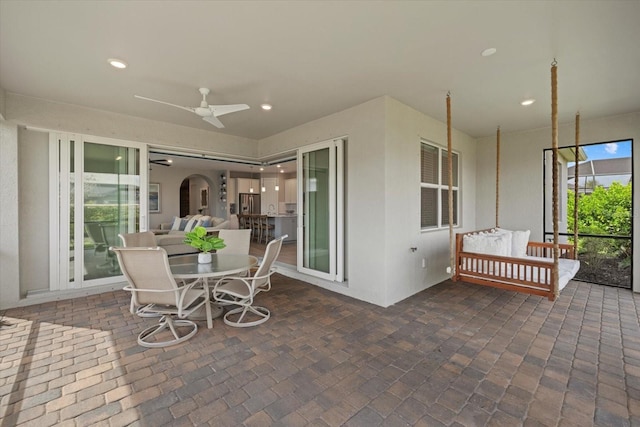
336,209
59,202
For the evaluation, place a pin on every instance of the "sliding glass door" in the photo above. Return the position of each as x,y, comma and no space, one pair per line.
102,192
320,210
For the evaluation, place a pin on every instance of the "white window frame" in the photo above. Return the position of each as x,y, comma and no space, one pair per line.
439,186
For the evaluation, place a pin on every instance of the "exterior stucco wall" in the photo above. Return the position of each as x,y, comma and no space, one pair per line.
383,194
9,217
521,169
33,190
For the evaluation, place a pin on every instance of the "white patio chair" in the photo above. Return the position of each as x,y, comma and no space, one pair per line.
155,291
144,239
237,241
243,290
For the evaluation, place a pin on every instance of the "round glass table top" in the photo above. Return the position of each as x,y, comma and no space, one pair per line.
187,266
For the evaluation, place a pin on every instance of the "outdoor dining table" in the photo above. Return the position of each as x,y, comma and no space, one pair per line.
184,267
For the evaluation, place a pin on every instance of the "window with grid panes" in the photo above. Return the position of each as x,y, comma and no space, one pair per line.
434,187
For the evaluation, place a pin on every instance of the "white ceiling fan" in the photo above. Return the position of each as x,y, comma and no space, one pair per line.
209,113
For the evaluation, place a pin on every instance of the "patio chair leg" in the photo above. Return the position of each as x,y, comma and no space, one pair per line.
263,313
167,322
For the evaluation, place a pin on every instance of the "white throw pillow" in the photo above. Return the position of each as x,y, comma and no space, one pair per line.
177,223
519,242
216,221
486,244
508,234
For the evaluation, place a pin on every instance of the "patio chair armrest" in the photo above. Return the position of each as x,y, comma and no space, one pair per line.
246,281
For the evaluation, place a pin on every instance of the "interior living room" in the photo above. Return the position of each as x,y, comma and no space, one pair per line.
397,125
190,185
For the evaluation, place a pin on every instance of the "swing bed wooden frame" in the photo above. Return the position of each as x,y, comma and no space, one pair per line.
538,272
533,274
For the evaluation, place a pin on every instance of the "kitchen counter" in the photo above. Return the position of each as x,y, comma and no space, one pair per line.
284,224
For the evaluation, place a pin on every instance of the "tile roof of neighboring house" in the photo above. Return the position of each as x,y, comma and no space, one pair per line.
619,166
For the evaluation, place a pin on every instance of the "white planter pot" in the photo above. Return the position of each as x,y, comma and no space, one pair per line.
204,258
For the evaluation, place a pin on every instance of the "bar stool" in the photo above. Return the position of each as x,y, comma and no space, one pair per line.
256,228
242,220
267,229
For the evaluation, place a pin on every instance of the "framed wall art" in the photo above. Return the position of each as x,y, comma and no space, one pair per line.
154,197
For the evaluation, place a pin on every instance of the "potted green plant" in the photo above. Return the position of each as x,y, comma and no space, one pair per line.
199,239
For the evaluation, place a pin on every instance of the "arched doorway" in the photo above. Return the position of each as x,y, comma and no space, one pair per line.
195,195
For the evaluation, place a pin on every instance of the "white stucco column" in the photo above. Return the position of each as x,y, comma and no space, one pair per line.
9,238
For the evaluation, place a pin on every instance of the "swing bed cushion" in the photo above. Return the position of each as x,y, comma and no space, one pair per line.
506,259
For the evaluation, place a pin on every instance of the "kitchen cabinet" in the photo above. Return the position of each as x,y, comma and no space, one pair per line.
244,185
269,198
290,190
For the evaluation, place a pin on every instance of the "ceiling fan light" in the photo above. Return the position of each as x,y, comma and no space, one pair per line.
489,51
117,63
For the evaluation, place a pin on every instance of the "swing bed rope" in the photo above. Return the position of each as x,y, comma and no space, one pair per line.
554,146
576,188
555,182
497,175
450,180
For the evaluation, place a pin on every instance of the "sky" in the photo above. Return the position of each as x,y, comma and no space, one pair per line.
608,150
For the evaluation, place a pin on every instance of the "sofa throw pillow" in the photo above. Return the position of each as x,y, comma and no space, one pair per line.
519,242
205,221
178,223
215,221
191,223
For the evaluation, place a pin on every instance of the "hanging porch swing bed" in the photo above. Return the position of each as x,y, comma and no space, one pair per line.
505,259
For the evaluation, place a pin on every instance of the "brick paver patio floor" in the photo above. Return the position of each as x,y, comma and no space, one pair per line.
453,355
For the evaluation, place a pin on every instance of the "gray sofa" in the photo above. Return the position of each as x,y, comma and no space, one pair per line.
173,240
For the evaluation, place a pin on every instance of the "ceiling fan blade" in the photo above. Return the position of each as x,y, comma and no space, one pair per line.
165,103
214,121
160,162
220,110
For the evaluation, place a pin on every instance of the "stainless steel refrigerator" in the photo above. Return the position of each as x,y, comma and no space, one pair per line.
249,203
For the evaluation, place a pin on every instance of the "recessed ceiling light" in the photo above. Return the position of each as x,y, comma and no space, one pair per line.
117,63
266,106
281,170
169,161
527,102
261,169
490,51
